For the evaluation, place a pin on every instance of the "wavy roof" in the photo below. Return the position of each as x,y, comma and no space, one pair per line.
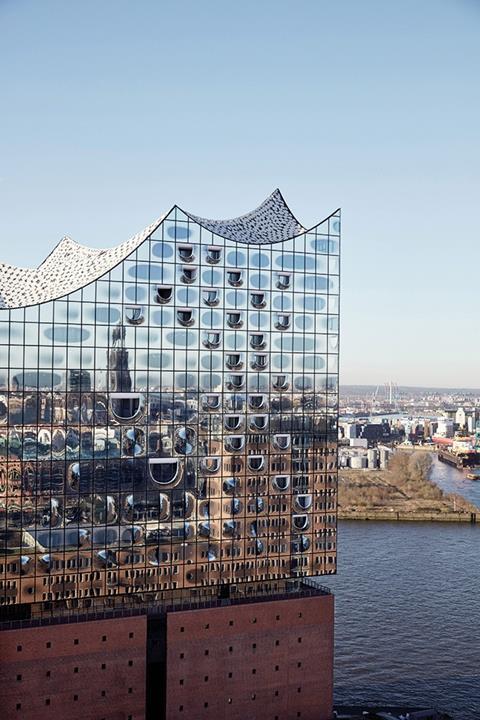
71,266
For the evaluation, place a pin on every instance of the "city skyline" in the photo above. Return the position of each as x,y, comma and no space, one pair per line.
113,115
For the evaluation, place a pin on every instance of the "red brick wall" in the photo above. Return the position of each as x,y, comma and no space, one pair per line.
258,661
41,680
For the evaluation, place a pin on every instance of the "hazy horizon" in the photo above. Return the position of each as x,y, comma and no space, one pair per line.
113,112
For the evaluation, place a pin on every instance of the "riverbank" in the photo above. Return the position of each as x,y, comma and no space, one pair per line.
403,492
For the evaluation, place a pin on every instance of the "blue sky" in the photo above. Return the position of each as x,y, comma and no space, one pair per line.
113,111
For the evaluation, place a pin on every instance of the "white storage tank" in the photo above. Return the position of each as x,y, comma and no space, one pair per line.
358,462
372,456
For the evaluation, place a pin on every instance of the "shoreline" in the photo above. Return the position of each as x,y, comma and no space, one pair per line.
406,516
403,492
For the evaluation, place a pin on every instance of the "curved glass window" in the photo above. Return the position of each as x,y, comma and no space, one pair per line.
234,443
235,278
134,315
303,502
258,300
164,471
234,361
234,319
281,482
233,422
211,464
163,294
185,253
126,407
133,442
235,506
257,341
283,281
281,442
212,339
211,402
185,316
211,297
189,275
300,522
235,381
259,361
214,254
256,463
256,402
280,382
282,322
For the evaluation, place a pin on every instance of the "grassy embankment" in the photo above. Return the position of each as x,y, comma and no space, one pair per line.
403,492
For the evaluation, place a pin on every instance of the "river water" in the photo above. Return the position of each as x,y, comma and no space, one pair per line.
408,610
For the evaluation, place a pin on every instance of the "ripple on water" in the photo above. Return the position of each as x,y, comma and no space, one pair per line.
408,615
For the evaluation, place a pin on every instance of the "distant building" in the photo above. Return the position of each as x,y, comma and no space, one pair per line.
445,427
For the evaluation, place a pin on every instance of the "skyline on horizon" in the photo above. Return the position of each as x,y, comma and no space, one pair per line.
116,113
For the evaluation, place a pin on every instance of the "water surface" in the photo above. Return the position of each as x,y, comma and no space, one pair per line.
408,610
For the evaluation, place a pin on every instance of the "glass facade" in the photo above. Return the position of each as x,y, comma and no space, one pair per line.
173,423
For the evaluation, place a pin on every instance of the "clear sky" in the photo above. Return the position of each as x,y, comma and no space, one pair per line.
113,111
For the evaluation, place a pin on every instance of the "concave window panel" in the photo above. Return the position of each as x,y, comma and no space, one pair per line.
163,294
258,341
233,361
235,278
211,297
126,407
186,253
235,381
212,339
282,441
189,275
164,471
185,316
280,382
256,463
211,402
234,319
214,254
281,482
300,523
258,300
211,464
134,314
284,281
259,422
234,443
257,402
259,361
303,502
283,321
233,422
300,544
